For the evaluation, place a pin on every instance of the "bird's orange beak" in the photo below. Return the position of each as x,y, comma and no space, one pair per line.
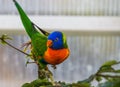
49,43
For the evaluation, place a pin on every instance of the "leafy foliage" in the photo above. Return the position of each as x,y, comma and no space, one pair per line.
113,83
38,83
45,83
3,38
110,80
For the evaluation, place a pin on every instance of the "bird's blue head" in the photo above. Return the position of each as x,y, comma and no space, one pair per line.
56,40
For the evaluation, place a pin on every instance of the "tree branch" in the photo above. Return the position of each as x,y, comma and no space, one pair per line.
111,76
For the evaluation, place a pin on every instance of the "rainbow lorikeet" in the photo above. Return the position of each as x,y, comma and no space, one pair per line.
47,48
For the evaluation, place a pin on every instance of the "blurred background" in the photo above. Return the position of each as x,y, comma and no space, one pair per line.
92,28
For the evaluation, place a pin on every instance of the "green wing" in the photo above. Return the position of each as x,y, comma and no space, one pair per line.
38,40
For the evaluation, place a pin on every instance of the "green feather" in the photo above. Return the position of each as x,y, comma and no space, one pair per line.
25,20
64,41
38,40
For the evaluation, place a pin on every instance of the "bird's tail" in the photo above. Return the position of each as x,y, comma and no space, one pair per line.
28,25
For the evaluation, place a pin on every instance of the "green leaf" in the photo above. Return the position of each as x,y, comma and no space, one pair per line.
38,83
98,78
117,84
3,38
107,66
81,85
117,71
109,63
41,82
27,85
112,83
106,69
105,84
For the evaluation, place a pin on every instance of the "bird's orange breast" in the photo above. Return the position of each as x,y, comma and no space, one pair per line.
55,57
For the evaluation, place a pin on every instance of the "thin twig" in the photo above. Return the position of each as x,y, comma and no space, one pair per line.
116,63
14,47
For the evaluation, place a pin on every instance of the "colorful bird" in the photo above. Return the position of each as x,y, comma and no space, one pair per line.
47,48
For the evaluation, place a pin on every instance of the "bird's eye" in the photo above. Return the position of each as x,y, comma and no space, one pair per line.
56,39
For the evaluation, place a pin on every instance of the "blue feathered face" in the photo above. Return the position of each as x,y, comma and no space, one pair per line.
55,40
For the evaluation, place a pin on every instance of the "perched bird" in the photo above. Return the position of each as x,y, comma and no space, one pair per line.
47,48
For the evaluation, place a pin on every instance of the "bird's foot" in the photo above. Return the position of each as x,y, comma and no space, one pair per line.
26,45
54,67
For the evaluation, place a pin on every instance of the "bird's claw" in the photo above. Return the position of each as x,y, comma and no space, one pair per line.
26,45
54,66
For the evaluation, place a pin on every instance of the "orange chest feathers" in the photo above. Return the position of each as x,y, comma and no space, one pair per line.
55,57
